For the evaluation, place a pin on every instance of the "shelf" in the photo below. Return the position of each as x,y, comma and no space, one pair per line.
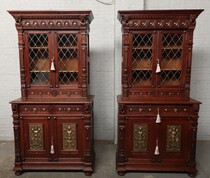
69,65
143,69
69,83
38,71
174,69
70,71
173,64
67,47
171,83
35,83
172,47
142,47
38,47
142,64
142,83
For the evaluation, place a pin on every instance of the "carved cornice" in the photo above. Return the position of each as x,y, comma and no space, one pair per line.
49,24
155,19
52,19
151,23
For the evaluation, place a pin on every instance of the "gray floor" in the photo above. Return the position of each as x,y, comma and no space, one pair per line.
105,164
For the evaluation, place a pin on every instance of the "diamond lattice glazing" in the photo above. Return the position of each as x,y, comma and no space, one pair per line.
142,54
67,58
171,59
38,59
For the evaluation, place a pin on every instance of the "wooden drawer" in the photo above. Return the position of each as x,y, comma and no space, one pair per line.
152,110
34,109
65,109
175,110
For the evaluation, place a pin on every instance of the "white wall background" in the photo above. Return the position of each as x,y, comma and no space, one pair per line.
105,58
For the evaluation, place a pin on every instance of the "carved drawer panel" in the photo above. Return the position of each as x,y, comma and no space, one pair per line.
34,109
175,110
65,109
141,110
62,93
152,110
69,93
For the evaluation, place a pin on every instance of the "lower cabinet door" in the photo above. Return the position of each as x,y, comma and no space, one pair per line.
70,137
35,138
175,139
140,138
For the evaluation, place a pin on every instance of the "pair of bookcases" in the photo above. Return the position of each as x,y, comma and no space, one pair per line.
53,119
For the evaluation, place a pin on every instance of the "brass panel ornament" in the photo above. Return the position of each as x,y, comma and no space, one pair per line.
173,138
36,142
69,137
140,137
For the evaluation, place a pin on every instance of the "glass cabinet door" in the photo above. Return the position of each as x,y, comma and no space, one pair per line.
171,59
143,53
38,59
67,59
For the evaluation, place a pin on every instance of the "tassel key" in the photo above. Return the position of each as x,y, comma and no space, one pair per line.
158,70
52,151
156,149
158,119
52,67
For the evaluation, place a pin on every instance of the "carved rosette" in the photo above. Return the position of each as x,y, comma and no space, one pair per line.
88,108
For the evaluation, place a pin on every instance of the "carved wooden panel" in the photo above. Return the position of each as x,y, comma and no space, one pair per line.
36,137
69,136
173,138
140,137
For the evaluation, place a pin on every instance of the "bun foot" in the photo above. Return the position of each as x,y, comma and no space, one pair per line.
121,173
192,174
88,173
18,173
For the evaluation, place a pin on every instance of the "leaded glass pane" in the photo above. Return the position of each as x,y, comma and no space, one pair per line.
68,58
38,59
172,52
142,54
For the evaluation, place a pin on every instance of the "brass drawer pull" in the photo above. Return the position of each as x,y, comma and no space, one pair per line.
34,110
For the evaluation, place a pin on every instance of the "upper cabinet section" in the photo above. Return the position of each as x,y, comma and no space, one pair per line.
53,47
157,52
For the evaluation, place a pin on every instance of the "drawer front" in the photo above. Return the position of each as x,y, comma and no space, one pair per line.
34,109
164,110
66,109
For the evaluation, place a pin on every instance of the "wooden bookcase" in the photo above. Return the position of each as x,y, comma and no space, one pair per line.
53,119
157,120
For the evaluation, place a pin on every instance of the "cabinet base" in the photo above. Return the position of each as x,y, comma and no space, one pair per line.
122,170
87,169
